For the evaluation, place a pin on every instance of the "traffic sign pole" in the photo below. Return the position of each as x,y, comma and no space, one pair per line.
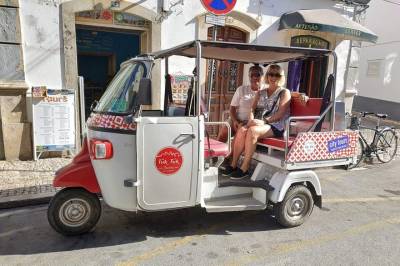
218,8
211,76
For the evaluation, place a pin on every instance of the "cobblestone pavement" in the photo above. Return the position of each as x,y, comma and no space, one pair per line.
25,178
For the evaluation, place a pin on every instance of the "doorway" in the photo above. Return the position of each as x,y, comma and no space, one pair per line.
308,76
228,75
100,54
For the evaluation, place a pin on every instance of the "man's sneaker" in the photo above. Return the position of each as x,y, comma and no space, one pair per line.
239,174
228,170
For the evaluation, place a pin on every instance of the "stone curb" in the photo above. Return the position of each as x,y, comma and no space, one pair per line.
26,196
26,200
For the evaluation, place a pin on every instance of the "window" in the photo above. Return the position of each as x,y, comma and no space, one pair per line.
121,92
374,68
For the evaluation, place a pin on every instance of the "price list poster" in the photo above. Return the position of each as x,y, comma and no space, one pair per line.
54,123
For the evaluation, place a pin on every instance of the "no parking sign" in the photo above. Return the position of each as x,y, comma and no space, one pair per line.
219,7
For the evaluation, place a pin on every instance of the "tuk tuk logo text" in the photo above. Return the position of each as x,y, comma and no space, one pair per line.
338,144
168,161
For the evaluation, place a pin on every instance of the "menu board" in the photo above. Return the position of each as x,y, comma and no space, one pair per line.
54,122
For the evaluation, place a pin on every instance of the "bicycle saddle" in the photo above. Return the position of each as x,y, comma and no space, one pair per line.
381,115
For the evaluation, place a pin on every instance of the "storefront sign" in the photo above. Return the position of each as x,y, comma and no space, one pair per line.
309,41
107,16
168,161
130,20
352,32
215,20
103,16
306,26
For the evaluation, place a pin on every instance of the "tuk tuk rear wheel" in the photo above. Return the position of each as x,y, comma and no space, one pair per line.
74,211
295,208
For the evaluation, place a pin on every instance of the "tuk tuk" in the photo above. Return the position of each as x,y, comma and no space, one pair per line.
140,159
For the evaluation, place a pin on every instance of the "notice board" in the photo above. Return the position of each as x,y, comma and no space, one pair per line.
54,121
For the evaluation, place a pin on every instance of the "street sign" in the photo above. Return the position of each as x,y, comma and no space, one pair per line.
215,20
219,7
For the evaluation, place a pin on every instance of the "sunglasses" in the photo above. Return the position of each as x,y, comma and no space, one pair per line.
276,75
257,75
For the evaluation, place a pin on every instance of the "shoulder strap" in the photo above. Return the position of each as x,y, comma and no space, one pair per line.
274,104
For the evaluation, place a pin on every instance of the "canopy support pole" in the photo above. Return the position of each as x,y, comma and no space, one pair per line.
198,78
333,96
211,77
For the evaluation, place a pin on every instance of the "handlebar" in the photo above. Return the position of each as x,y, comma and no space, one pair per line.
364,114
361,114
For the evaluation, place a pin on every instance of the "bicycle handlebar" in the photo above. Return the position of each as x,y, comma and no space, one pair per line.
364,114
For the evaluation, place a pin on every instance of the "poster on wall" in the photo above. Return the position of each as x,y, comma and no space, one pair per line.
180,84
54,121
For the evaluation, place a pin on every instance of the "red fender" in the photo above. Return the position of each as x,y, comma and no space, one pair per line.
79,173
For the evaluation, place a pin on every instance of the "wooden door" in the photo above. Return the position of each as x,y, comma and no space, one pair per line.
228,76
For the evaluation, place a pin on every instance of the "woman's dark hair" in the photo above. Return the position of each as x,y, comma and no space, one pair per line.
256,68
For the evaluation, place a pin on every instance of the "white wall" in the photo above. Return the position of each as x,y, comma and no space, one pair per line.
41,43
41,33
180,27
383,19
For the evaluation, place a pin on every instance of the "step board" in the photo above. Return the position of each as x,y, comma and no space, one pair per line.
244,202
227,182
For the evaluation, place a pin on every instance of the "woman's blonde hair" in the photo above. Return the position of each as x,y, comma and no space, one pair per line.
275,69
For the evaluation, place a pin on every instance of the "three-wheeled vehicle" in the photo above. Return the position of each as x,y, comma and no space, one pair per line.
139,159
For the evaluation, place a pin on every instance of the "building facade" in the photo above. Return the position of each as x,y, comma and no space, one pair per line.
378,89
56,41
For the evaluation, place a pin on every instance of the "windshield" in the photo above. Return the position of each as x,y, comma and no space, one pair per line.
121,92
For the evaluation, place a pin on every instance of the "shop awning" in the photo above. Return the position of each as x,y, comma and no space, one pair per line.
326,20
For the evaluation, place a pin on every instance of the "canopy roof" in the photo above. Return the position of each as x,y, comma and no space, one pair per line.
242,52
326,20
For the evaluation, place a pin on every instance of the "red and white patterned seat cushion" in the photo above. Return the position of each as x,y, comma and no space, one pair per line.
215,149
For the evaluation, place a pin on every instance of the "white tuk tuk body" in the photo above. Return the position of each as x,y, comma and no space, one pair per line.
147,160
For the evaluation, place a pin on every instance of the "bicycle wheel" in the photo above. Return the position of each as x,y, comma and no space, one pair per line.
359,155
386,145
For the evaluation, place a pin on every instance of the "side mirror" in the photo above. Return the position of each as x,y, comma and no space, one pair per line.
144,94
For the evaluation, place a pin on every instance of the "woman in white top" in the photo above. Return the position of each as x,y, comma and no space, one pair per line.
272,105
241,103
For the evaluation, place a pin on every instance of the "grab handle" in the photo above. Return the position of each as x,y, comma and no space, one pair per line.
193,136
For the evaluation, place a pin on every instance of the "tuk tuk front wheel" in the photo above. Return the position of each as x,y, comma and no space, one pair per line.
295,208
74,211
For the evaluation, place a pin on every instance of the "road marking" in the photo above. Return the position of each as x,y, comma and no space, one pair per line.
302,244
202,233
15,231
177,243
356,200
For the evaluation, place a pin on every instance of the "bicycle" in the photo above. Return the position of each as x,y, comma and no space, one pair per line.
383,144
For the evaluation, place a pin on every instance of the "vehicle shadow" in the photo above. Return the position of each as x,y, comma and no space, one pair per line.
26,231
